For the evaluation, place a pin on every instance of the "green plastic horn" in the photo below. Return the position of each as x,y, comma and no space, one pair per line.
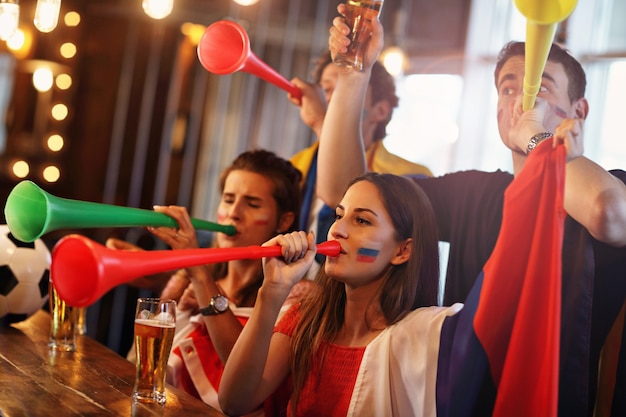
30,212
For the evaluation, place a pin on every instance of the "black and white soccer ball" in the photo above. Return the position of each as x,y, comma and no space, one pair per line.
24,277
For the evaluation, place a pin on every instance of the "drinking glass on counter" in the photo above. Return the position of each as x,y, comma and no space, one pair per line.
81,321
155,323
63,323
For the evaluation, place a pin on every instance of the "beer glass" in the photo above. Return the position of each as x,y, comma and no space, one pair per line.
81,321
63,323
359,15
155,322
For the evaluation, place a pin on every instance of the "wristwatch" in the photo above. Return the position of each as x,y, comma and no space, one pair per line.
534,141
217,305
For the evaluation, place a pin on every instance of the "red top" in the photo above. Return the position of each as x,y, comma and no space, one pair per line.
211,362
328,388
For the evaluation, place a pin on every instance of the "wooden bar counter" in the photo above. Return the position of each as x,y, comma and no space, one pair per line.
93,381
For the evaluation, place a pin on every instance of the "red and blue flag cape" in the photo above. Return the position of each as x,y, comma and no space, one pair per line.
500,355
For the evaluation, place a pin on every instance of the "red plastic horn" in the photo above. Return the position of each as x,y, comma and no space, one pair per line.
83,270
224,48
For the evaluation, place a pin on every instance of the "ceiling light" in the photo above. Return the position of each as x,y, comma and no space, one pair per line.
47,15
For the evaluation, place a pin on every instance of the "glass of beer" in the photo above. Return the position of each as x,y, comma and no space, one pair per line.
155,323
359,15
63,323
81,321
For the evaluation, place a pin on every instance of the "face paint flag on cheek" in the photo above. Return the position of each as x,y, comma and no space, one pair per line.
367,255
261,220
560,112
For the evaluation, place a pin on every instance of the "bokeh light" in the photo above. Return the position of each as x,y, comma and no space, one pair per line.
51,173
68,50
63,81
43,79
55,142
20,169
59,111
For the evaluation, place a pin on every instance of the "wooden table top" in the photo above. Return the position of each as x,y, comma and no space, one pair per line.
93,381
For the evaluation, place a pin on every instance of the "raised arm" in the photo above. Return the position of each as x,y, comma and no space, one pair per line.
259,361
312,105
593,196
341,154
597,200
225,328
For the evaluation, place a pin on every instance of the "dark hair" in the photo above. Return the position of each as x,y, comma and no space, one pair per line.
286,179
407,286
382,87
577,81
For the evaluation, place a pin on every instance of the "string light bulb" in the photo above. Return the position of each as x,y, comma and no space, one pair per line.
47,15
158,9
394,60
9,18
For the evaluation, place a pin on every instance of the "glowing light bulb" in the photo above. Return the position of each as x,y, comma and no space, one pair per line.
158,9
9,18
394,60
17,40
55,142
20,169
43,79
59,112
246,2
68,50
63,81
47,15
51,173
72,19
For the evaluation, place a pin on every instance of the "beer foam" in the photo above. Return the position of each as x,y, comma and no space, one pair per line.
153,322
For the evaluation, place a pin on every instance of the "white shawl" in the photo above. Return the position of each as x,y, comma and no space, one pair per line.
398,373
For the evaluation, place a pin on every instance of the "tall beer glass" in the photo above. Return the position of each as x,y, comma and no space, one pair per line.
155,323
63,323
359,15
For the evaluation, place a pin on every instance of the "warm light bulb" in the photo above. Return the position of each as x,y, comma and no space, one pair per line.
246,2
394,60
20,169
193,32
59,111
158,9
17,40
68,50
55,142
51,173
63,81
72,19
9,18
42,79
47,15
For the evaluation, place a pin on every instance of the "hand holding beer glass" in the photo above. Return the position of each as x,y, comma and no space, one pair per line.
359,15
155,323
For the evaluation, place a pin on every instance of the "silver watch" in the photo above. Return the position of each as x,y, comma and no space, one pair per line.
217,305
535,140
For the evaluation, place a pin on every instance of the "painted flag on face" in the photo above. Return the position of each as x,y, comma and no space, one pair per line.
367,255
500,355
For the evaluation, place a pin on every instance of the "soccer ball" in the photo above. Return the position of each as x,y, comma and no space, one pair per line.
24,277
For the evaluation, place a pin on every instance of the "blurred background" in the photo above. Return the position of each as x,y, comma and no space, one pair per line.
111,104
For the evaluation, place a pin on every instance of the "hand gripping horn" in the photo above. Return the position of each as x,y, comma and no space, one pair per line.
542,17
224,48
30,212
83,270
